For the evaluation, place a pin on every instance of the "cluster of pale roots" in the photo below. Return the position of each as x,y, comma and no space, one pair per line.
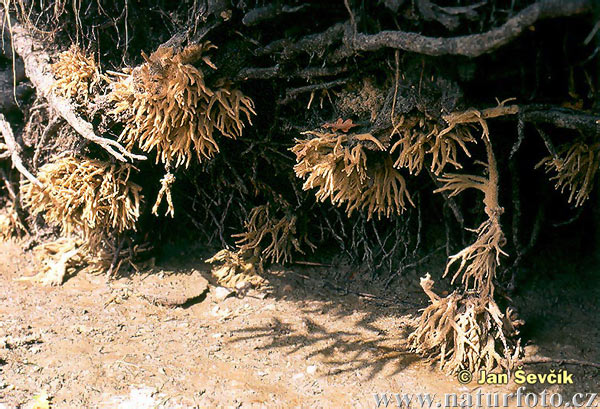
90,201
66,255
273,239
76,75
168,107
575,167
336,165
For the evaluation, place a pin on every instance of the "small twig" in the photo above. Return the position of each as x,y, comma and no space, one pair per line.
14,149
260,14
548,143
115,258
11,192
48,131
413,264
312,264
562,118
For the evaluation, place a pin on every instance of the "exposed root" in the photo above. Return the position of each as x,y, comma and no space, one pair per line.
336,164
168,107
14,149
36,61
472,45
279,235
575,166
235,270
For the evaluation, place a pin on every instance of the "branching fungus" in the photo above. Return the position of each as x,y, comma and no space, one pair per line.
168,107
575,168
76,75
336,164
85,196
271,238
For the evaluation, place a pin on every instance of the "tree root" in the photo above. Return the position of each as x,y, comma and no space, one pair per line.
14,148
37,63
472,45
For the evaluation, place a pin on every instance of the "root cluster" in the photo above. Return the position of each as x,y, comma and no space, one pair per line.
463,331
234,269
77,75
418,137
10,223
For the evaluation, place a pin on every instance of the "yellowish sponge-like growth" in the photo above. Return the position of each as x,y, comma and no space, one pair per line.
169,108
336,165
76,75
85,196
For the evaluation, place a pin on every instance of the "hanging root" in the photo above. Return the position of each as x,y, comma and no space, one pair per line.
336,164
575,167
279,235
168,107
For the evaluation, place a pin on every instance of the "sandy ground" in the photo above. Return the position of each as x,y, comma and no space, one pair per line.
94,343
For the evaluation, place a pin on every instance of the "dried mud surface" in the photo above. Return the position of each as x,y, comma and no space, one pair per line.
94,343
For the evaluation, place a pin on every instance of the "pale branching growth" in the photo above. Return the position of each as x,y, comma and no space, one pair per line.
336,165
456,183
418,137
168,107
271,238
575,168
84,196
76,75
466,330
386,191
478,262
463,331
10,223
165,191
235,270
